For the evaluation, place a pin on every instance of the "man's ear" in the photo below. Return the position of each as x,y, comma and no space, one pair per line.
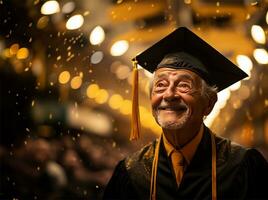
211,102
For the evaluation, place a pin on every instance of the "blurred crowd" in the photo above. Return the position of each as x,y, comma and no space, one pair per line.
51,162
67,167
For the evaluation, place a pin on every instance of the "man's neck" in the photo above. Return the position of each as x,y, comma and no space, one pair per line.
180,137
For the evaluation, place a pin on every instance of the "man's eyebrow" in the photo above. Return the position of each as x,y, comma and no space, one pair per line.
161,75
181,76
186,76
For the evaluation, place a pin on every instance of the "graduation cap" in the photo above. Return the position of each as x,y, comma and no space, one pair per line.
194,54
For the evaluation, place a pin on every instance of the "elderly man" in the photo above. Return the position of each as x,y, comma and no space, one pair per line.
188,161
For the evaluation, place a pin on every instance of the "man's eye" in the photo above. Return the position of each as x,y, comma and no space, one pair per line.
160,85
184,85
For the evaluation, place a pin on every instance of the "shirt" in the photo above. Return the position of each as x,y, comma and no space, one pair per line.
185,153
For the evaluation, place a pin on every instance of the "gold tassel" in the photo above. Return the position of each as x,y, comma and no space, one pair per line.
135,121
213,168
154,170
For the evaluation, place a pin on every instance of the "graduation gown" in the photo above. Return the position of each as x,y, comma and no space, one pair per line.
242,173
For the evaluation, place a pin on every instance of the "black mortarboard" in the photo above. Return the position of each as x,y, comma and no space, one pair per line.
216,69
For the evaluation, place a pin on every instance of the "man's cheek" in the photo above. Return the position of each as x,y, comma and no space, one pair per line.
155,100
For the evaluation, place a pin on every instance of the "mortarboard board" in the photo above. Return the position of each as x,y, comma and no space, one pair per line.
203,59
218,69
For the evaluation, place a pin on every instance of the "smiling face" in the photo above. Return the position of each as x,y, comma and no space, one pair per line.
177,100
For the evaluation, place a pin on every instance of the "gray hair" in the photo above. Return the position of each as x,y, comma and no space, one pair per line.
207,91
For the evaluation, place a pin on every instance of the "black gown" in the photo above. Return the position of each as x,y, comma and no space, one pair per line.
242,173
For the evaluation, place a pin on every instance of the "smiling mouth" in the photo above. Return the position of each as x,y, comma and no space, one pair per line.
174,109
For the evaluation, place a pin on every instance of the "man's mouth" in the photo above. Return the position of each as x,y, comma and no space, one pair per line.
173,108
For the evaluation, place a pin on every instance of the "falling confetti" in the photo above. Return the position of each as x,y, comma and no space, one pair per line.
254,3
86,13
36,2
249,116
114,144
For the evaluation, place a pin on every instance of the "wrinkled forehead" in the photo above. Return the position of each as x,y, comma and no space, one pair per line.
168,73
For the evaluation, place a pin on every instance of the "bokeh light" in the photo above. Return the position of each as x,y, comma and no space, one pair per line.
50,7
115,101
75,22
261,56
97,35
125,107
96,57
68,7
235,86
6,53
266,17
122,72
22,53
114,66
64,77
102,96
119,48
92,90
14,48
244,63
258,34
76,82
223,96
42,22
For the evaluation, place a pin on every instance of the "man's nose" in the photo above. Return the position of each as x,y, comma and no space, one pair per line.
170,94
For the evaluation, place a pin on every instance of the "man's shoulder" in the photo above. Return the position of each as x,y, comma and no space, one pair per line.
145,154
138,165
225,144
232,151
229,144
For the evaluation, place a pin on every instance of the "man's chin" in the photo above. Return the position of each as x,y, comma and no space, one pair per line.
171,125
172,120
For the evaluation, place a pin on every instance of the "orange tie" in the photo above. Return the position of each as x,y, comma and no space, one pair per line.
178,165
